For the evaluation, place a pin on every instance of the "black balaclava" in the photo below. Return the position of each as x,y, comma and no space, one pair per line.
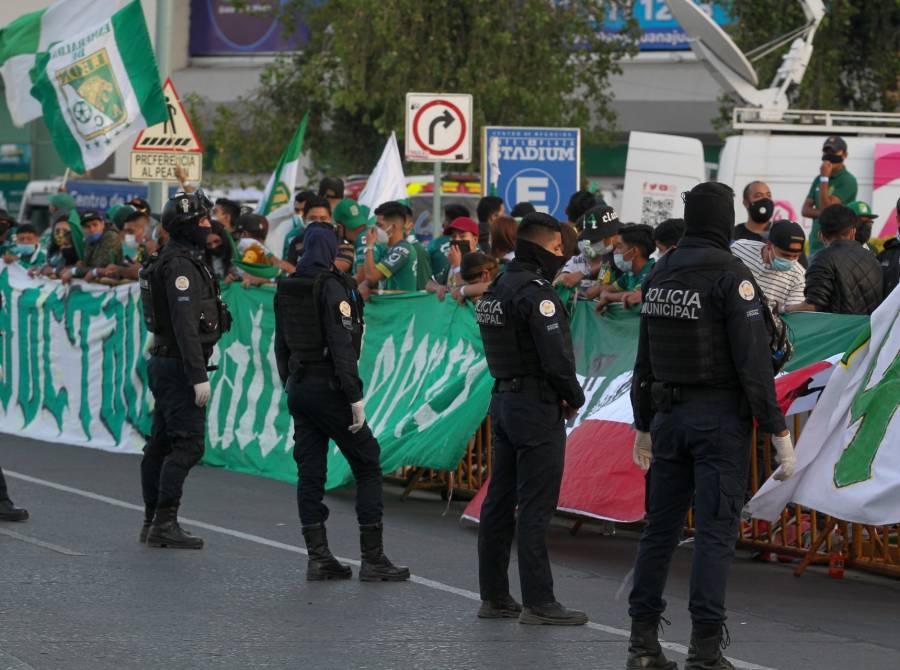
709,213
191,234
319,251
549,264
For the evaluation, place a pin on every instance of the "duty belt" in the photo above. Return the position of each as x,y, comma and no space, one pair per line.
519,384
167,351
665,395
313,370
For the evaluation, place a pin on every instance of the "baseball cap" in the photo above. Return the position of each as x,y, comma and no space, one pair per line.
835,143
598,223
140,204
254,224
90,215
787,235
122,214
349,214
862,209
464,224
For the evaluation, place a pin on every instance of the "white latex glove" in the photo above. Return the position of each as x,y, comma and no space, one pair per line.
640,453
359,416
201,394
784,447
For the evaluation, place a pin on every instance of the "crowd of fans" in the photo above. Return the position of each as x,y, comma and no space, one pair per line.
607,263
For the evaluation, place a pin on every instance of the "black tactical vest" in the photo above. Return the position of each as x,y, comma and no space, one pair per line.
214,317
688,338
508,345
299,317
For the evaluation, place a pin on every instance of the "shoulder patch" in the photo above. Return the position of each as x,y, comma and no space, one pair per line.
745,288
344,308
547,308
182,283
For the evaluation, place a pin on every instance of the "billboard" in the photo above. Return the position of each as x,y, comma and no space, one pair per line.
659,29
219,29
536,165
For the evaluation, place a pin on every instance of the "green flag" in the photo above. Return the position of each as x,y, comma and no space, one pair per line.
99,87
279,191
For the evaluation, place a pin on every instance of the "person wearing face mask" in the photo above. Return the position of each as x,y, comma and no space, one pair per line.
631,254
592,270
218,251
667,235
834,185
318,338
464,233
132,224
703,370
396,269
760,208
62,251
528,347
865,219
316,212
185,313
102,248
27,250
297,226
774,263
889,259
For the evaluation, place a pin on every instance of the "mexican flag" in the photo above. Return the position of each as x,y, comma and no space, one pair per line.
32,33
599,479
277,202
386,182
848,461
99,86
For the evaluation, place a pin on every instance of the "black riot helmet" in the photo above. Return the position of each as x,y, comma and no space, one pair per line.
185,209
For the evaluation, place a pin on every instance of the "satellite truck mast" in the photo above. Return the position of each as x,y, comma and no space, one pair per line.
768,109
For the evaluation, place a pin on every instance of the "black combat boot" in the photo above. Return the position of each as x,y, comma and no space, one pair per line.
148,521
165,531
376,567
322,564
501,608
552,614
644,652
705,651
9,512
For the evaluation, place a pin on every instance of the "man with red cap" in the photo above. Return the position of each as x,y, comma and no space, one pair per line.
463,232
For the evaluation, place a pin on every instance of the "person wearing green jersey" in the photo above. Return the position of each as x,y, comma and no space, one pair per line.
350,220
396,270
833,186
423,259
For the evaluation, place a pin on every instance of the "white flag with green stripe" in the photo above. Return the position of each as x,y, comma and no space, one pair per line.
279,193
24,38
99,87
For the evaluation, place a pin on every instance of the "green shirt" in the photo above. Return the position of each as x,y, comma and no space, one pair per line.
841,185
440,265
399,265
632,280
35,260
423,266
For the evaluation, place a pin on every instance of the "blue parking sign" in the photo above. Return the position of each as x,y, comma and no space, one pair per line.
536,165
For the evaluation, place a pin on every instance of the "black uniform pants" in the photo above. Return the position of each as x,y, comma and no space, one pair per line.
4,495
700,451
177,438
529,442
321,412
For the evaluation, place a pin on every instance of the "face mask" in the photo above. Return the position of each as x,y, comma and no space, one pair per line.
594,250
621,263
781,264
411,238
832,158
863,233
761,210
94,238
24,249
381,237
297,220
550,263
129,246
198,235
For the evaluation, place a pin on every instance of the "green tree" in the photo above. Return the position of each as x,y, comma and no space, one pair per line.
855,62
526,62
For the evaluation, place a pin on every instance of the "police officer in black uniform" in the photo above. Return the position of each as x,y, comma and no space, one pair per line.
8,511
318,338
183,310
528,348
704,369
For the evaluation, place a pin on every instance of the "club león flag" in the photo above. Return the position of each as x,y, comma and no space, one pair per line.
848,457
98,87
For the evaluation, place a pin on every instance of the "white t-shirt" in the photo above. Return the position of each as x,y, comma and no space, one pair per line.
785,288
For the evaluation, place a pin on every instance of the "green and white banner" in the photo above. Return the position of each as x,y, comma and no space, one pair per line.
98,87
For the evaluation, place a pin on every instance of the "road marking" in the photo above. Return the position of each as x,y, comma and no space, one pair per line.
422,581
40,543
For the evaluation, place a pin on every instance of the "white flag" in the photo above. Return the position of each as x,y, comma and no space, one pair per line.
848,457
386,182
22,39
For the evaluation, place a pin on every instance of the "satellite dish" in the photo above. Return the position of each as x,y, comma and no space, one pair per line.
700,27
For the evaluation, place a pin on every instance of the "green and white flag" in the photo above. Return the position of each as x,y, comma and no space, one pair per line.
99,87
387,181
277,202
24,38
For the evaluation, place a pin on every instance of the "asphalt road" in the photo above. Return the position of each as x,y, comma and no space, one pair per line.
77,590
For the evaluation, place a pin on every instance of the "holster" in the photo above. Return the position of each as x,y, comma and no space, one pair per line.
664,395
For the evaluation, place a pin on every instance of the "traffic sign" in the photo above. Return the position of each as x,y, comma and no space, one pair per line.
439,127
536,165
160,149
